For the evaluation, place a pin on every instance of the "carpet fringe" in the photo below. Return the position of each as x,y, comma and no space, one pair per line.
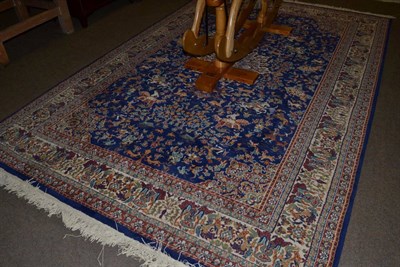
153,255
339,8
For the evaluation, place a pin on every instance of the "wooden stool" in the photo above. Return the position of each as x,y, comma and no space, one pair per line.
227,48
57,8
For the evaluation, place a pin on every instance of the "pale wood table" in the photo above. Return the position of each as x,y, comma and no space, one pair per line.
53,9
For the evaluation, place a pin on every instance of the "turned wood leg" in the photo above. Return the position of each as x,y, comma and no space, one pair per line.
3,55
21,9
64,17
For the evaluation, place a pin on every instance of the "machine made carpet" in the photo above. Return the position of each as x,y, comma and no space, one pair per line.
259,175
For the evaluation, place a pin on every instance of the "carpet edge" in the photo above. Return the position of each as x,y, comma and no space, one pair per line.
347,218
89,228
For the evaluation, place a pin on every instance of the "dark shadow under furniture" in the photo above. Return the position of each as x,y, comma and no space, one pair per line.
82,9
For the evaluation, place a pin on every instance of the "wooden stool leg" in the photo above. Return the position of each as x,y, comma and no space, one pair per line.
21,9
64,17
3,55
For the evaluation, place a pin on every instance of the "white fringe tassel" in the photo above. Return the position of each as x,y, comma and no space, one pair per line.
339,8
90,229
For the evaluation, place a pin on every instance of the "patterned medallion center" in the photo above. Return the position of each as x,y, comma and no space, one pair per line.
231,141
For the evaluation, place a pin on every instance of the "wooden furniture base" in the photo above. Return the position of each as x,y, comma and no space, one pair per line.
57,8
212,72
278,29
229,43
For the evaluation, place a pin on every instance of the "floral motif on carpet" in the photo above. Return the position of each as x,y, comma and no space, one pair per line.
256,175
